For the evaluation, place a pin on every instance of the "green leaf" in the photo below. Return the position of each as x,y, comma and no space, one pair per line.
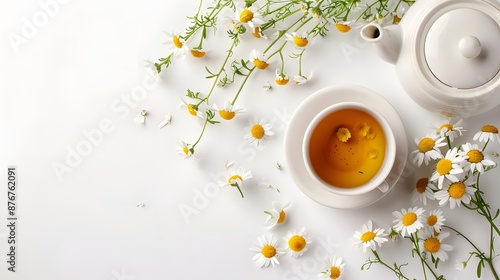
480,266
496,214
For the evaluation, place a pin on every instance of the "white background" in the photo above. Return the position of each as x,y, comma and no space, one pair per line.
71,73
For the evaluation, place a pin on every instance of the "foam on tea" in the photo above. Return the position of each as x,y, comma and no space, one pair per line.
347,148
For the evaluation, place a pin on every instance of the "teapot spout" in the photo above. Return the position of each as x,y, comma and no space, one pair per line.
387,40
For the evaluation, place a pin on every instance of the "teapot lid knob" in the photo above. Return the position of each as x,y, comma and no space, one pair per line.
469,46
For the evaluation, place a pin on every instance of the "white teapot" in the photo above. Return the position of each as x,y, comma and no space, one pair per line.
447,54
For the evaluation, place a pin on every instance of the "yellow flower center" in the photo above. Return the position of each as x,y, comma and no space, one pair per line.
432,245
422,185
198,53
268,251
185,149
448,127
177,42
367,236
260,64
457,190
246,16
432,220
490,129
258,131
343,27
281,81
343,134
192,109
300,41
426,144
334,272
256,32
364,129
409,218
297,243
234,178
282,217
444,166
396,19
227,115
475,156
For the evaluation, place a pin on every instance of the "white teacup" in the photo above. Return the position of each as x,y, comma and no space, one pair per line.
349,149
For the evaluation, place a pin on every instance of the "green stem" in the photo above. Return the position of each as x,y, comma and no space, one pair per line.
216,77
485,144
201,134
414,240
489,260
449,142
217,8
241,86
239,189
265,26
348,10
300,62
398,273
483,208
282,33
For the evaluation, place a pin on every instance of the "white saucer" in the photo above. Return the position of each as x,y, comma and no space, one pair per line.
304,115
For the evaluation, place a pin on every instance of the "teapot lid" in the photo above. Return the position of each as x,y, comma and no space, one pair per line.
462,48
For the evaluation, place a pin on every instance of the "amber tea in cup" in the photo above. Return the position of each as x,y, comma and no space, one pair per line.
347,147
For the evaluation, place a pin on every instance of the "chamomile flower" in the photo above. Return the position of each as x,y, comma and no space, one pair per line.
267,87
198,52
450,130
236,178
433,244
343,26
428,148
423,190
277,216
267,251
456,193
191,108
281,78
185,150
248,15
343,134
435,220
408,221
449,167
176,43
154,67
301,79
228,112
460,265
297,241
258,131
257,33
487,133
476,160
334,268
259,60
141,117
398,14
316,12
300,41
369,238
